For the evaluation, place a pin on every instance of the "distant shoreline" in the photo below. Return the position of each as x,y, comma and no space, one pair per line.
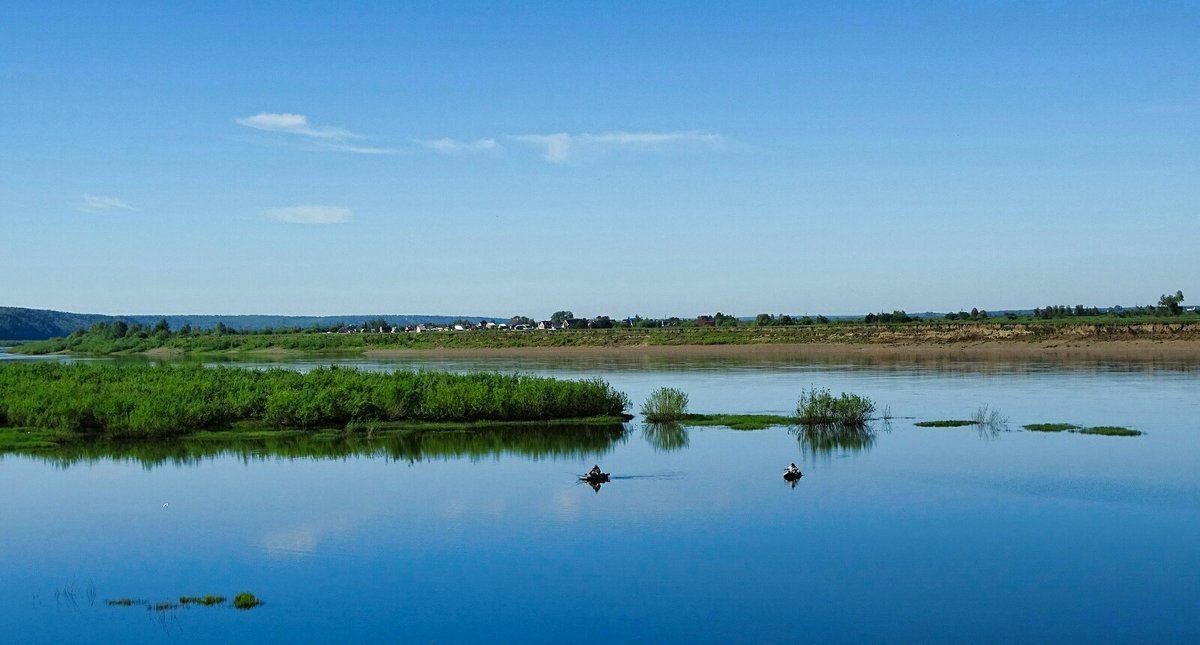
1086,349
1169,339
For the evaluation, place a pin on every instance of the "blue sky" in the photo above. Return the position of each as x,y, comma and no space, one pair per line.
608,158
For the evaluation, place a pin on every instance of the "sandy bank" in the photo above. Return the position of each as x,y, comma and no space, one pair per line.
1140,350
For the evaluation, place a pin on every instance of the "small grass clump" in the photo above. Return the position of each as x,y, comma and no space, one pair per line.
1107,431
1110,431
989,418
1051,427
738,421
246,600
122,602
944,423
665,405
163,606
819,407
207,600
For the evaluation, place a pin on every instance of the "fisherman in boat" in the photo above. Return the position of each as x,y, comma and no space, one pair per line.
792,470
594,472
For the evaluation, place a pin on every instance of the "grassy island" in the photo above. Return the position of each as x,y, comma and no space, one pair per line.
63,401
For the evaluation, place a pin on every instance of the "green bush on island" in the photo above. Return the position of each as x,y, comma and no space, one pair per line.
246,600
178,399
664,405
818,407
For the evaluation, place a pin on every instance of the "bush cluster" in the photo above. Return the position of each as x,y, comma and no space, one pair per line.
818,407
664,405
171,399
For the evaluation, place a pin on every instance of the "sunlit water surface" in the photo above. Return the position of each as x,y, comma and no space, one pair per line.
952,535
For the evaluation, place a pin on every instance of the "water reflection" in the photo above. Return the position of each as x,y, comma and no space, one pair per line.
665,437
534,442
824,439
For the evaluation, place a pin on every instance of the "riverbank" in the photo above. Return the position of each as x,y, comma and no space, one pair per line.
975,337
1009,350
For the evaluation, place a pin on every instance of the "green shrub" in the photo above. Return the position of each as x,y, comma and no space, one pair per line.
819,407
246,600
664,405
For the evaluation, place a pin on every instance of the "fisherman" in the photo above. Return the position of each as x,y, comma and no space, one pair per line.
595,471
792,469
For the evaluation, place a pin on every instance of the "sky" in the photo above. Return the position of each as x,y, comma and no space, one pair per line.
606,158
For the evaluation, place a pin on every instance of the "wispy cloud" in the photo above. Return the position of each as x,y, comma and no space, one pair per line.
555,147
559,147
323,136
310,214
449,146
99,203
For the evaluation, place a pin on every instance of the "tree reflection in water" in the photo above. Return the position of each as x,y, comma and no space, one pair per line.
665,437
824,439
569,442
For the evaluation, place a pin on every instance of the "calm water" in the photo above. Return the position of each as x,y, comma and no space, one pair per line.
925,534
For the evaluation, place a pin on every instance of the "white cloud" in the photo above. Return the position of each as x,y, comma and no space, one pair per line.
324,136
453,146
294,124
311,214
559,147
97,203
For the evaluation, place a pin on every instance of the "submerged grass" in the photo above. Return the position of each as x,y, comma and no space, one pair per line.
1111,431
160,400
738,421
945,423
1107,431
207,600
1051,427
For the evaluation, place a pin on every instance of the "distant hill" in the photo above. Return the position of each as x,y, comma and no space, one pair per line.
17,323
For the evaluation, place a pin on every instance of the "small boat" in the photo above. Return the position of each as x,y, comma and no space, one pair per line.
792,475
600,478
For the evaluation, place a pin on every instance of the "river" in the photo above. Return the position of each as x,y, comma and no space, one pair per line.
988,534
